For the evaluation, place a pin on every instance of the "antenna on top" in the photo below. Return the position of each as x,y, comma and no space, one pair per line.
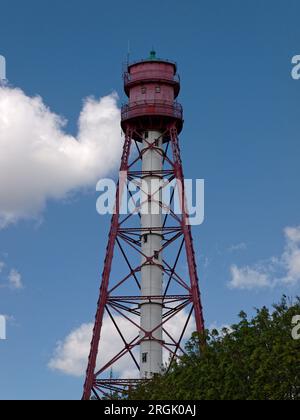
152,55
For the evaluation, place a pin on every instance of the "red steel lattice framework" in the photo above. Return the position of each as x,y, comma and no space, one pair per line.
181,293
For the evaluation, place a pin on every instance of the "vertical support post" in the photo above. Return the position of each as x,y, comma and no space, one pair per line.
89,382
190,252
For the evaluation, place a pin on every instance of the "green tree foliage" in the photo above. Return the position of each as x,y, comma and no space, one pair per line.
256,359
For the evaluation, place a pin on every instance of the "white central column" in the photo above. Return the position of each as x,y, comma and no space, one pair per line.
151,357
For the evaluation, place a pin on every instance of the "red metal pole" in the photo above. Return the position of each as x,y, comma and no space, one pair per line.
186,228
89,382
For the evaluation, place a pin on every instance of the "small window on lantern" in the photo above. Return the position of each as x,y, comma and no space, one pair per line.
144,357
144,90
157,89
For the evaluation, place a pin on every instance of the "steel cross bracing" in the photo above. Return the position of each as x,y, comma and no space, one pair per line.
181,292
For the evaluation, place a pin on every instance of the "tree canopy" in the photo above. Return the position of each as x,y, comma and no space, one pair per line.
255,359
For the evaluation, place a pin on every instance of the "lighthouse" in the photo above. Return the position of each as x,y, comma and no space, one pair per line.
151,293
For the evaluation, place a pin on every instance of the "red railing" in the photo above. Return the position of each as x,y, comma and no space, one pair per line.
147,60
150,75
155,107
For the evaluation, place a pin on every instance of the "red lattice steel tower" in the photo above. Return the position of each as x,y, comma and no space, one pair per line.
146,288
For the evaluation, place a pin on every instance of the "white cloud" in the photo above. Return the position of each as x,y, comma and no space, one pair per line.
2,265
282,270
238,247
293,234
40,161
291,256
248,278
176,324
71,355
15,280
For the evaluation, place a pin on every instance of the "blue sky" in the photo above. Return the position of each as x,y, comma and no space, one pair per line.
241,135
